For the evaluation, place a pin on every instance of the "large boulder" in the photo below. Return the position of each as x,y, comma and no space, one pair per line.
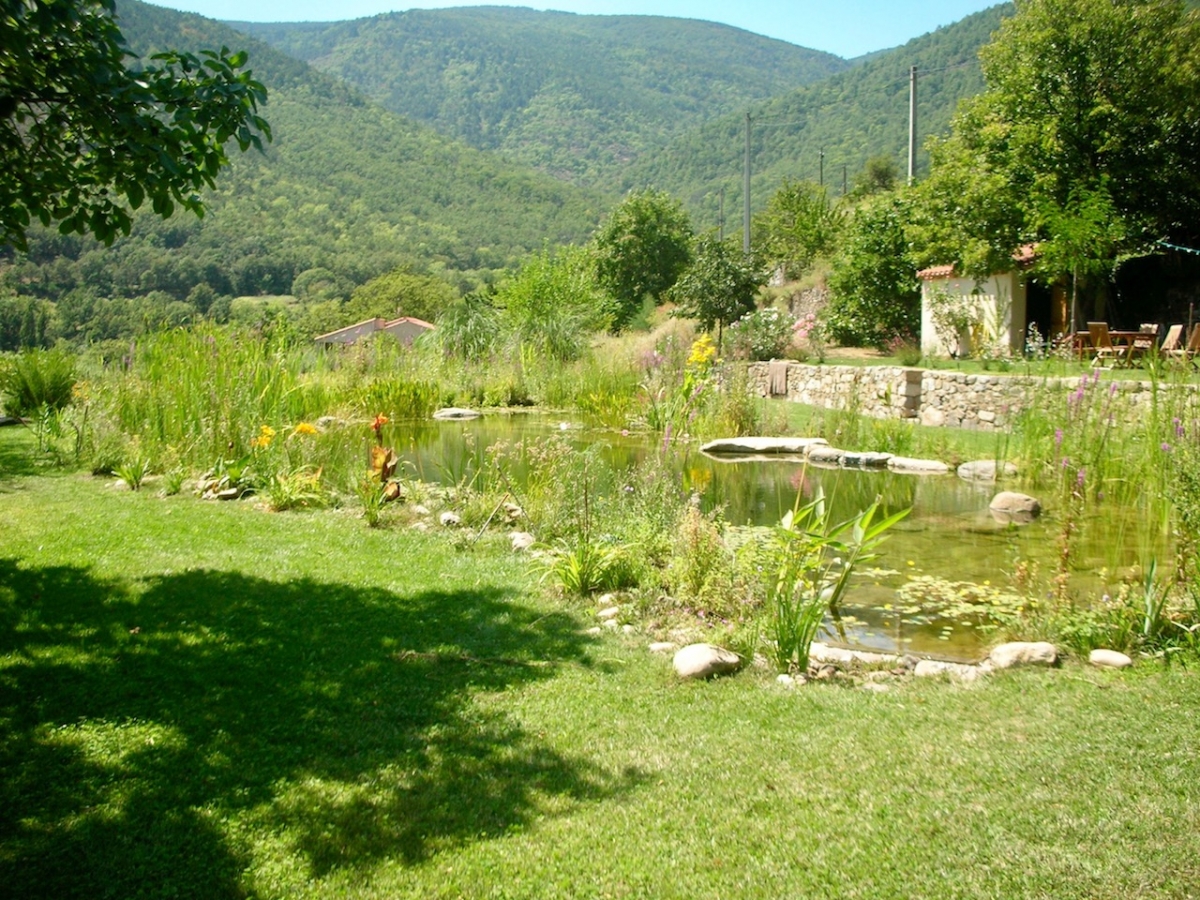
705,660
1023,653
1011,506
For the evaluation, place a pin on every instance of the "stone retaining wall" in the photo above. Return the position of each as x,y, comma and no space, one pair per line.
984,402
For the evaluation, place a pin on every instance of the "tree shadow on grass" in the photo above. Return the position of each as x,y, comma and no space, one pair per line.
149,735
16,456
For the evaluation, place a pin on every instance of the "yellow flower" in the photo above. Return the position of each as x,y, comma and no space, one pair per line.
704,351
266,434
305,428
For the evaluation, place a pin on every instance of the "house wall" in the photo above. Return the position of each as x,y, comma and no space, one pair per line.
998,311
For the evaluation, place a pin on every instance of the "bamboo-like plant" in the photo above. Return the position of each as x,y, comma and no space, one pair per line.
814,562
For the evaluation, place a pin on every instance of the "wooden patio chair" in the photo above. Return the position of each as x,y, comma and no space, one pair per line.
1143,345
1102,344
1171,342
1192,350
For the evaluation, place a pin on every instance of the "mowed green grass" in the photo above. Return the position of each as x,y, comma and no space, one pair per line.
208,700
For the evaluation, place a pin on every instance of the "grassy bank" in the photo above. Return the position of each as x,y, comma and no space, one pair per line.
208,700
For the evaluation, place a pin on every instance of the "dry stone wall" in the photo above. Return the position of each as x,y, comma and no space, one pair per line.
984,402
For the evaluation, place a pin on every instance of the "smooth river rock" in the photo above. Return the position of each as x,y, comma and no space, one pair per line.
986,470
705,660
1109,659
1015,507
1023,653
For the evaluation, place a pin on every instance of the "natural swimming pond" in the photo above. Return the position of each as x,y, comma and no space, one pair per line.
949,547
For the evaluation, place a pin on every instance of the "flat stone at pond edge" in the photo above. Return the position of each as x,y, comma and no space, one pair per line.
986,470
867,460
521,540
928,668
1109,659
764,445
1015,507
454,412
705,660
450,520
610,612
909,466
661,647
1023,653
825,454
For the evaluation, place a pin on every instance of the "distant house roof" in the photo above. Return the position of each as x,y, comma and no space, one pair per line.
405,329
1023,256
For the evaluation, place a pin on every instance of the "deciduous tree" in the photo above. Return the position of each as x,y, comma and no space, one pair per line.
641,250
87,132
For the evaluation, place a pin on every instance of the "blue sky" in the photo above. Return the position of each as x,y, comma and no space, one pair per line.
845,27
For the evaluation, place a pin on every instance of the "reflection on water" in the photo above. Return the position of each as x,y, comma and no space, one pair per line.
949,534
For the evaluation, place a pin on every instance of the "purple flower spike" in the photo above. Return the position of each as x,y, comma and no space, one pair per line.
1058,438
1079,478
1166,448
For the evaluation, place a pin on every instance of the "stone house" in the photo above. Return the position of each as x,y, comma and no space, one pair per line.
963,316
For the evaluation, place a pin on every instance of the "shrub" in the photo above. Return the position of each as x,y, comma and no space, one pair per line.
36,379
761,335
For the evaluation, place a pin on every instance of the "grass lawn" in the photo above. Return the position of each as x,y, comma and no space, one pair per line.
208,700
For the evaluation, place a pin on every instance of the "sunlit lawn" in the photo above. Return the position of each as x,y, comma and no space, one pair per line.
208,700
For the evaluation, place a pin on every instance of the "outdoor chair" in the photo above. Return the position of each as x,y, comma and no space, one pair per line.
1102,344
1143,345
1170,343
1192,350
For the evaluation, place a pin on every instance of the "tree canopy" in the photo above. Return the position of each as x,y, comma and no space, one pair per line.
720,285
1091,105
641,250
85,132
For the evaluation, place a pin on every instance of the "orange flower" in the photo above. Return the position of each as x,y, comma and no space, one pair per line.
305,428
380,421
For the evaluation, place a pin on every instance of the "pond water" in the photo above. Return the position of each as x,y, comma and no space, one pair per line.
949,533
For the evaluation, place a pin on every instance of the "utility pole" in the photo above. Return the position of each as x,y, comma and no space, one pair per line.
843,179
746,193
912,125
821,169
721,217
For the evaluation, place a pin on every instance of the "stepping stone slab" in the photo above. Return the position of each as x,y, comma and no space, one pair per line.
1023,653
705,661
825,454
869,460
908,466
763,445
454,412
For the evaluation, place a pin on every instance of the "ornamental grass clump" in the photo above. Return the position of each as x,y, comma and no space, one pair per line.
813,561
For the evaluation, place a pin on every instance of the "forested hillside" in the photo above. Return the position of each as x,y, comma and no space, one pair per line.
346,186
580,97
851,117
